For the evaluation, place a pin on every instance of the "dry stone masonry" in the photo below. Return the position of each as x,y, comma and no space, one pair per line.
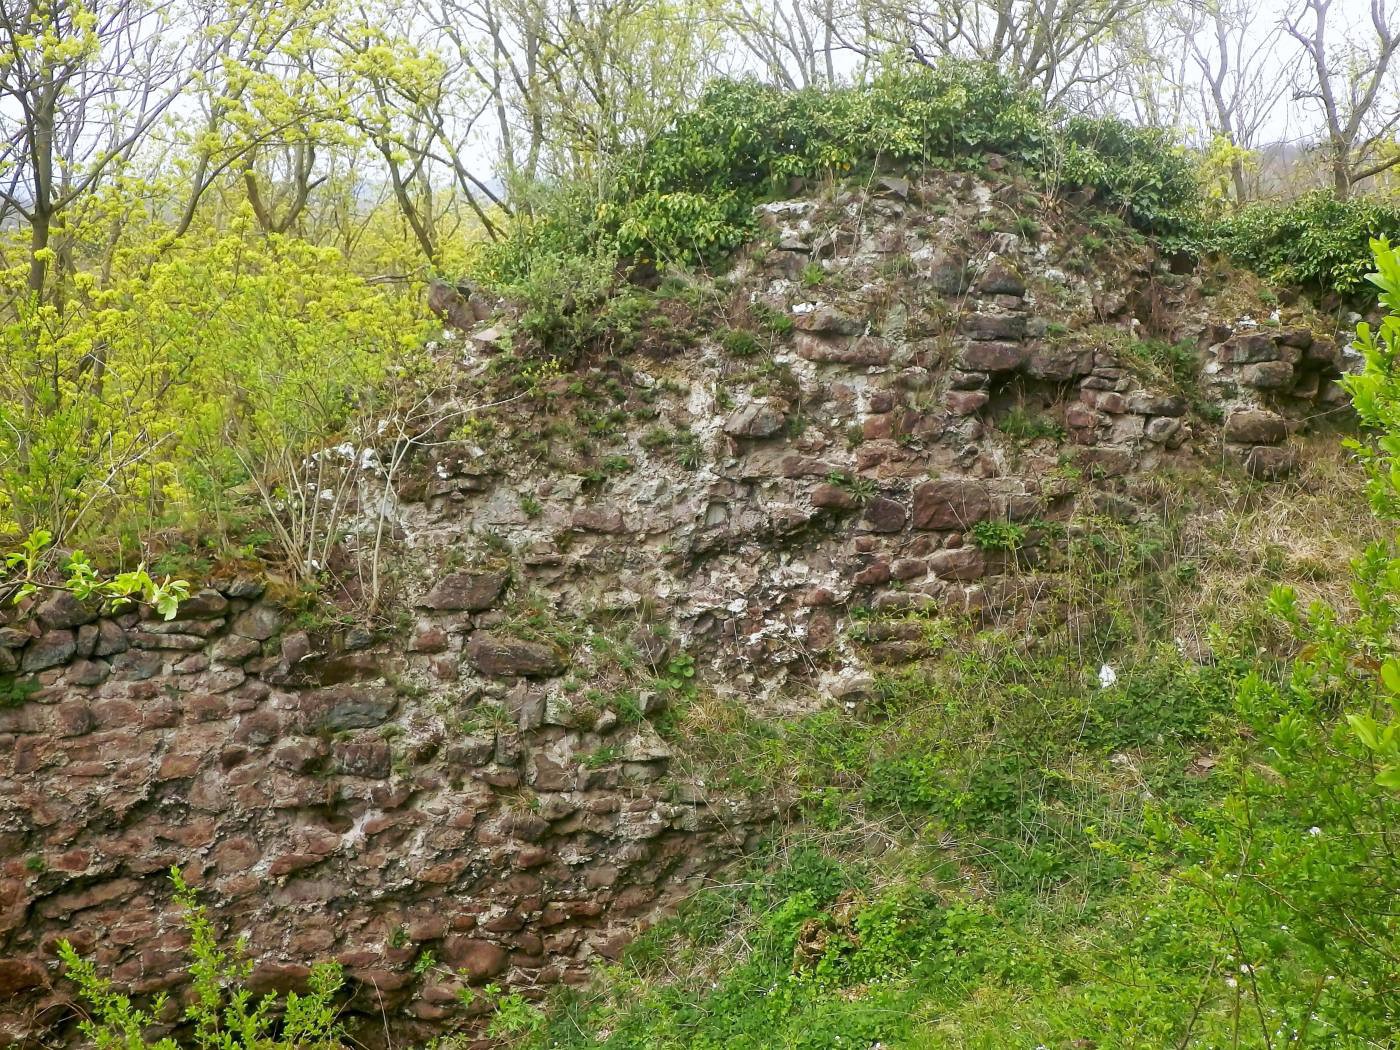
322,807
490,781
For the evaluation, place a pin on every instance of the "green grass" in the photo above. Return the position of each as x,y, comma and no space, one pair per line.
993,858
1023,426
1178,363
993,850
1002,868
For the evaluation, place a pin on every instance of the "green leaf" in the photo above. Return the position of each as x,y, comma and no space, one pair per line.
1390,675
1367,729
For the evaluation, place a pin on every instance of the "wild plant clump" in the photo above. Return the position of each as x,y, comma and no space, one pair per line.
223,1012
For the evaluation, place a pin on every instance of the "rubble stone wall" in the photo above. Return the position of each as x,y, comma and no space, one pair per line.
322,807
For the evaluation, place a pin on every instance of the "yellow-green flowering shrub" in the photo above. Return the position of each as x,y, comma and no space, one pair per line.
153,398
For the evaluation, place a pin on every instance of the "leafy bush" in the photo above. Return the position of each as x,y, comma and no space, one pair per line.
1316,241
23,572
153,401
1138,171
559,297
687,195
1364,654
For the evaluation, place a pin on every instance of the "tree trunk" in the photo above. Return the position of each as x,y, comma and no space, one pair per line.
1237,177
40,229
1341,174
420,225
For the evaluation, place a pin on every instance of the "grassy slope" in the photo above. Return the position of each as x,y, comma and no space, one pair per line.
989,856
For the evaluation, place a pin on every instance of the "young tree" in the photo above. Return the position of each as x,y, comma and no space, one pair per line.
615,73
1351,83
567,85
1239,85
500,45
81,87
289,123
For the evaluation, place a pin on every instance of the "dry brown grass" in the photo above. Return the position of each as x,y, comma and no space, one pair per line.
1242,539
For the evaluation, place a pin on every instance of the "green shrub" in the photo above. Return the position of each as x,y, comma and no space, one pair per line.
1300,863
1368,645
687,195
559,296
1139,172
1317,241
